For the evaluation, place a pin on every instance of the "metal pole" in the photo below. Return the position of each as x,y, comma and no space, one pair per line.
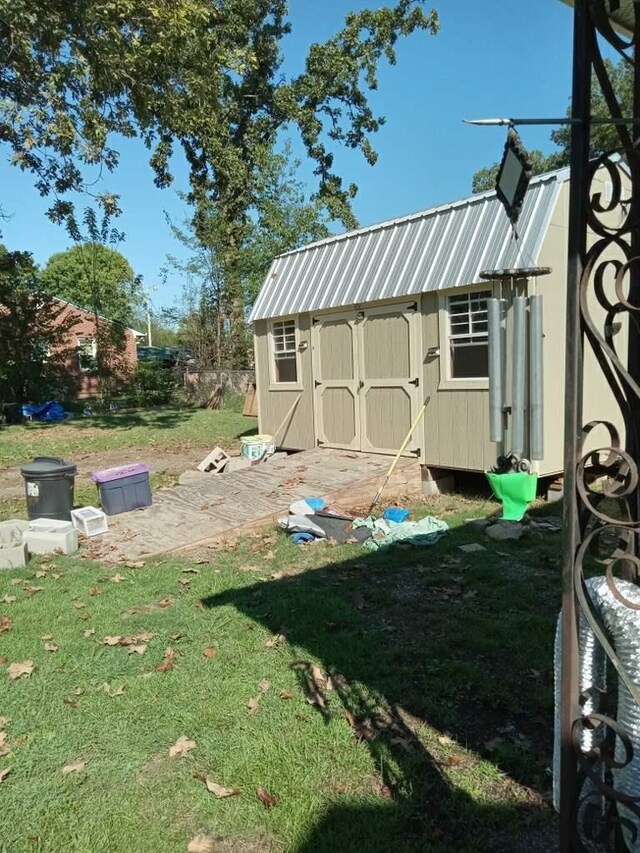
536,374
519,374
578,197
496,395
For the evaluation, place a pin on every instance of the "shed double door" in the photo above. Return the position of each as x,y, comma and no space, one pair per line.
366,378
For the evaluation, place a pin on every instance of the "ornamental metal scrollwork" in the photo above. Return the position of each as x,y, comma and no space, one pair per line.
601,597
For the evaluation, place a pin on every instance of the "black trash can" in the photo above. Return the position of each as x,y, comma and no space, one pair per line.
49,485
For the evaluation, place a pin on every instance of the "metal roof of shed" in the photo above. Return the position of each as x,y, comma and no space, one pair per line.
435,249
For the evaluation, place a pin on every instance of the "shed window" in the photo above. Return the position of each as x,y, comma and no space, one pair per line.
468,336
285,362
87,353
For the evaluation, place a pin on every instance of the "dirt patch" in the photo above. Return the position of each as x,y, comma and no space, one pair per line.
160,462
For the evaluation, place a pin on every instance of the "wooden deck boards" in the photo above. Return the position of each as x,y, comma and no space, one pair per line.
184,516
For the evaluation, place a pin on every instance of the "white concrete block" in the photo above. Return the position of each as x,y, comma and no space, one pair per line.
48,536
13,548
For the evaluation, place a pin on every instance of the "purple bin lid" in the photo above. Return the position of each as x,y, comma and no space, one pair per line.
118,473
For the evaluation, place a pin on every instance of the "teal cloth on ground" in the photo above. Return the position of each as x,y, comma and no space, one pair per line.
427,531
515,490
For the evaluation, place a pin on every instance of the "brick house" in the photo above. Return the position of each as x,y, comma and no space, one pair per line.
79,347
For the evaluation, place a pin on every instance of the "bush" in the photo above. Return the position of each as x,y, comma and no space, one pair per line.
154,385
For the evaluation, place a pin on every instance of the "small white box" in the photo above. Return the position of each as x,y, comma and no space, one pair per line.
47,535
89,520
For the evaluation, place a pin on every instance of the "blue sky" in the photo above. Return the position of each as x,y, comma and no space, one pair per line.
490,58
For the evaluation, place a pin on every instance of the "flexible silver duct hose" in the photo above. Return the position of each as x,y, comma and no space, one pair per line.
623,626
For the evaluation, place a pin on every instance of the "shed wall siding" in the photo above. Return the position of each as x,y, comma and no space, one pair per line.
456,423
274,403
553,289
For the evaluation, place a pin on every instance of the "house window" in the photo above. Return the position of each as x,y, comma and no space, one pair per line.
285,361
86,348
468,336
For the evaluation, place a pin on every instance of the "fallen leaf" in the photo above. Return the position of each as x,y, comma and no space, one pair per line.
4,722
113,691
55,576
4,773
132,564
139,649
95,591
264,685
284,694
79,605
167,662
267,799
16,581
192,570
218,791
4,746
72,703
89,632
41,574
112,641
51,647
9,599
118,578
185,581
47,637
382,790
17,670
181,747
20,741
202,844
74,767
454,760
45,558
3,659
165,602
275,641
143,637
79,691
210,652
6,624
318,676
253,705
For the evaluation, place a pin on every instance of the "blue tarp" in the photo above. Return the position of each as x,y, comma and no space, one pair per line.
49,411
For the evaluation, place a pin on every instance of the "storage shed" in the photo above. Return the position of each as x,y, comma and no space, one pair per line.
364,325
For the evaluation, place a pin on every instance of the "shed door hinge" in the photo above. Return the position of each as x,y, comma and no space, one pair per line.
415,382
314,320
316,382
416,452
412,307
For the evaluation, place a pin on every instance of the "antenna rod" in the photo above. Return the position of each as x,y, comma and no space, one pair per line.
509,122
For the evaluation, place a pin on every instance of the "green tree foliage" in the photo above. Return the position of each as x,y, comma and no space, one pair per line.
99,279
34,333
224,277
204,76
94,277
604,137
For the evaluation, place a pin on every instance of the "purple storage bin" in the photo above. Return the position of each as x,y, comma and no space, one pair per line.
123,488
118,473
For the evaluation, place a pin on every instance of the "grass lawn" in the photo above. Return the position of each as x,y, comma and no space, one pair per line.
391,701
160,429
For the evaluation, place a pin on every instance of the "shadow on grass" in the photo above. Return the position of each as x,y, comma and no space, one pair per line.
438,658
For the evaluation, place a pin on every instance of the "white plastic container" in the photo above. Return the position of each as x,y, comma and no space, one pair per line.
48,536
255,446
89,520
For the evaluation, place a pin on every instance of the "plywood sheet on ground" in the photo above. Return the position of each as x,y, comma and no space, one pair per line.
184,516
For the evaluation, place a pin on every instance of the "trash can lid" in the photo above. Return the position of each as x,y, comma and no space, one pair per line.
46,466
118,473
